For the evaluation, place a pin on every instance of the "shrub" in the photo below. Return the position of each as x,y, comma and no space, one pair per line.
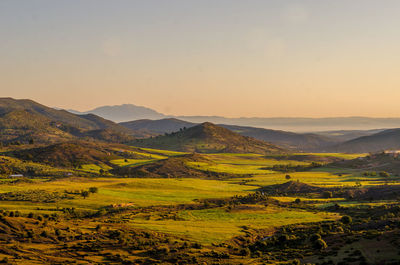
283,238
327,194
320,244
85,194
346,219
245,252
384,174
93,189
315,237
296,262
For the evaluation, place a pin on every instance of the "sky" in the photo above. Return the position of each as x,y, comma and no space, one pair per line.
253,58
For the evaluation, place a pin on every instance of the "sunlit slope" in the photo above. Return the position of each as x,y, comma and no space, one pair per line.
208,138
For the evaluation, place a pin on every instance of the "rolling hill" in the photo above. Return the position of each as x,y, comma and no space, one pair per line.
22,120
172,167
70,154
385,140
208,138
298,141
157,127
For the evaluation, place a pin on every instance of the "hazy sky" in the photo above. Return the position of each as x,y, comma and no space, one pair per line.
205,57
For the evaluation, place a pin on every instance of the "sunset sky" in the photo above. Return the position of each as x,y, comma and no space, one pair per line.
205,57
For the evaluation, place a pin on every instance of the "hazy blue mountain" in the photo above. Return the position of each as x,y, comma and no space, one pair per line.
347,135
125,112
129,112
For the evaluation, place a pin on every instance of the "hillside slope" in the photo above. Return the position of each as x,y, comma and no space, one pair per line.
70,154
208,138
386,140
22,120
298,141
157,127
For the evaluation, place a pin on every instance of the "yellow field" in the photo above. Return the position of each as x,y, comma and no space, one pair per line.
141,191
217,225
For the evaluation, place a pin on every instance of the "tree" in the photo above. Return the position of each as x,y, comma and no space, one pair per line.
283,239
320,244
101,171
297,200
245,252
93,189
384,174
327,194
346,220
85,194
315,237
287,177
296,262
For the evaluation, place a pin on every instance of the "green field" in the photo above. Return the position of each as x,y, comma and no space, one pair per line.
218,225
207,210
142,192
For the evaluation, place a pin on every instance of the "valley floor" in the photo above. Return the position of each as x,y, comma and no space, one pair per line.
240,209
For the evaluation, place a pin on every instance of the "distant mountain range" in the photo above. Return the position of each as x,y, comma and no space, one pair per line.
347,135
130,112
385,140
25,120
307,141
125,112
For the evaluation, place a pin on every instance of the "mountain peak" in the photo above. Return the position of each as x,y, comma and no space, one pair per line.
124,112
208,138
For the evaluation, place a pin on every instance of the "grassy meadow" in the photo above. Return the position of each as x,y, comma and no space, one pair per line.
205,211
219,225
